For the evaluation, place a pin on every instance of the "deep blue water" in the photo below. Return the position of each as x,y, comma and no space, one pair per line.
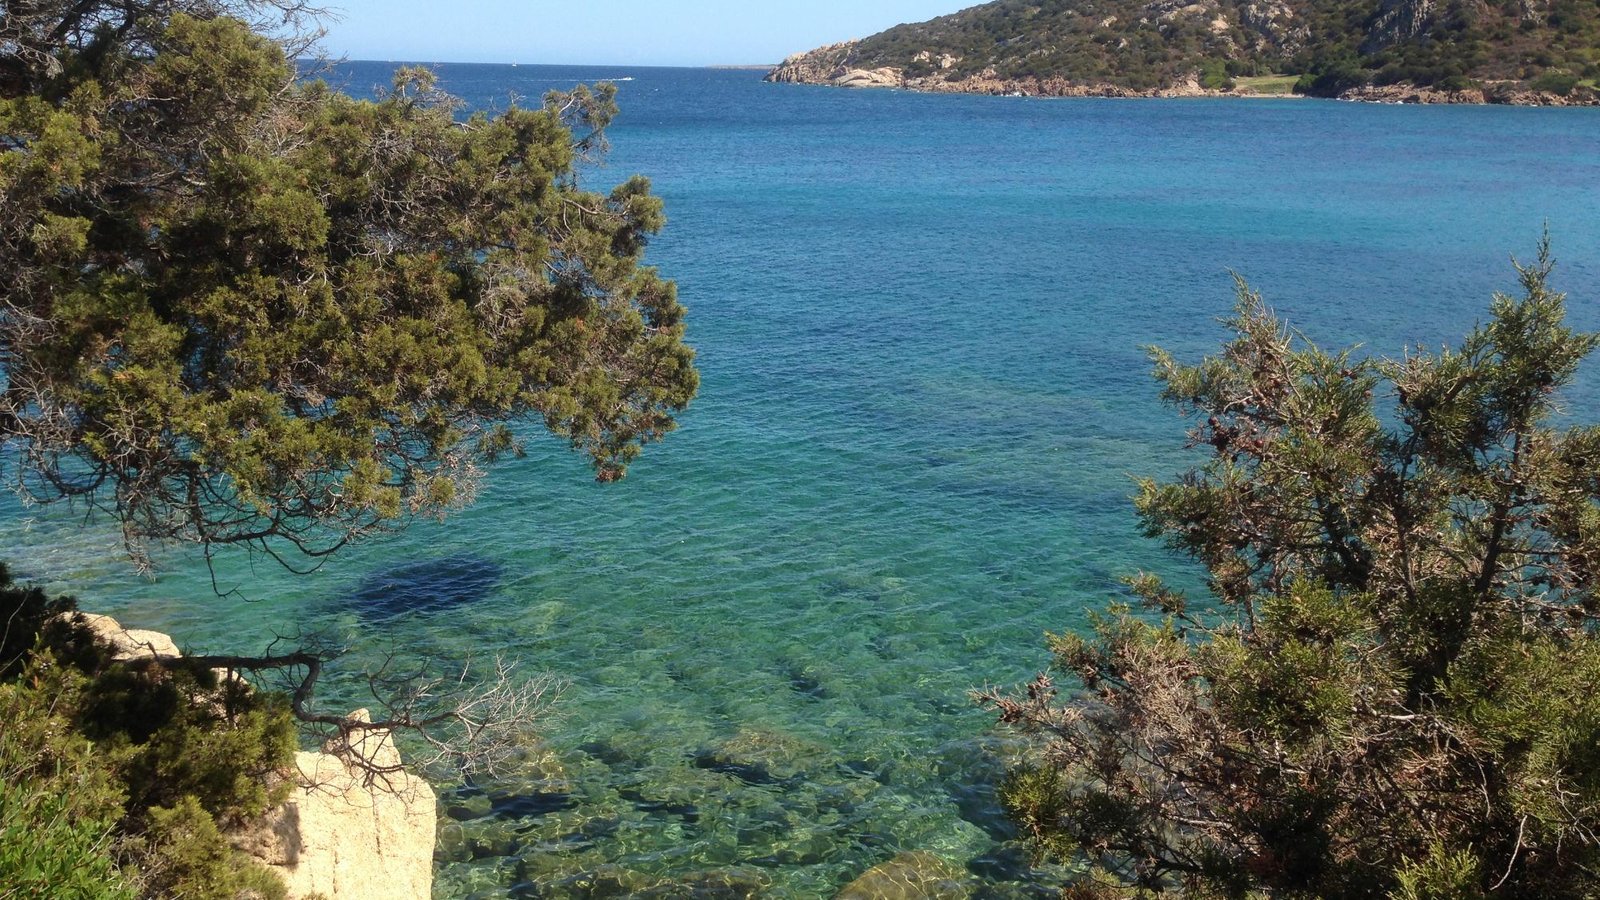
920,322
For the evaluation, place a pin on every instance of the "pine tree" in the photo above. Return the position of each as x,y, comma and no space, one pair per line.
237,307
1391,689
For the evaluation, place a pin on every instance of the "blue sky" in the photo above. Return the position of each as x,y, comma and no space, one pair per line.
636,32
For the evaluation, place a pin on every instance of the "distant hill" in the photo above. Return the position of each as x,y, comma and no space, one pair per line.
1513,51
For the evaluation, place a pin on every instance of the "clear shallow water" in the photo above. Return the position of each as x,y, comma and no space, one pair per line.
920,321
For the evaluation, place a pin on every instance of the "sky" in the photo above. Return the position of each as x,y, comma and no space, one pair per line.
634,32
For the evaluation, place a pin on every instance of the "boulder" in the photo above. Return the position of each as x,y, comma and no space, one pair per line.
916,875
357,826
869,78
128,643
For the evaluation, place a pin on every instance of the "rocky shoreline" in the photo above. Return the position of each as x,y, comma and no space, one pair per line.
341,834
830,66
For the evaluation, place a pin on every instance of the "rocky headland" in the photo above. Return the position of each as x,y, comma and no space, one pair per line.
1534,53
835,66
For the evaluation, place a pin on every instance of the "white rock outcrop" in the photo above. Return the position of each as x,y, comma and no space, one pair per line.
128,643
349,834
357,825
868,78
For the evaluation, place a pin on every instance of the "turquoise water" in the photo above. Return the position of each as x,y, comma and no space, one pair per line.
920,323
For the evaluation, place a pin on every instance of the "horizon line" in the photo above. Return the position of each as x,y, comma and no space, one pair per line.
448,62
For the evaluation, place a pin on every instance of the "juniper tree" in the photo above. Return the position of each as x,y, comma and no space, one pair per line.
237,307
1390,690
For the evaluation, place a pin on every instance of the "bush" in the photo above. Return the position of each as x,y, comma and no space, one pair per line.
187,856
1457,83
59,800
1390,691
29,617
1559,83
121,780
48,851
1214,76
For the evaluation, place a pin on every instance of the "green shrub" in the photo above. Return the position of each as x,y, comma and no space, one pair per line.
1214,76
47,851
30,619
1558,83
1390,691
185,855
116,775
1456,83
59,801
186,736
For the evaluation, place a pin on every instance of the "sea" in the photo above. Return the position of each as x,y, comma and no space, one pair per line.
923,326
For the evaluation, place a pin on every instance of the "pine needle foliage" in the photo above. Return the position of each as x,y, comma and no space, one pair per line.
237,307
1391,689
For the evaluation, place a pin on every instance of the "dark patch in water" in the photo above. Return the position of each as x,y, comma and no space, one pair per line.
526,806
687,811
1007,862
805,684
881,647
429,585
877,771
462,813
978,804
595,829
750,773
610,754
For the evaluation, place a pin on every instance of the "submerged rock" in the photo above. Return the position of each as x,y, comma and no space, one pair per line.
915,875
762,757
723,884
427,585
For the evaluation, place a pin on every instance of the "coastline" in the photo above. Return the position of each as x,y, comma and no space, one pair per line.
816,68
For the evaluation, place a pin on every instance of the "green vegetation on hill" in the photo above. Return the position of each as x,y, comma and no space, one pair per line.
1336,44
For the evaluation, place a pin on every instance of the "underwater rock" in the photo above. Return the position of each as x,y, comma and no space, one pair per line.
749,773
914,875
972,771
534,768
688,811
1006,862
450,846
427,585
762,758
1012,890
599,884
527,806
610,754
805,682
468,808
